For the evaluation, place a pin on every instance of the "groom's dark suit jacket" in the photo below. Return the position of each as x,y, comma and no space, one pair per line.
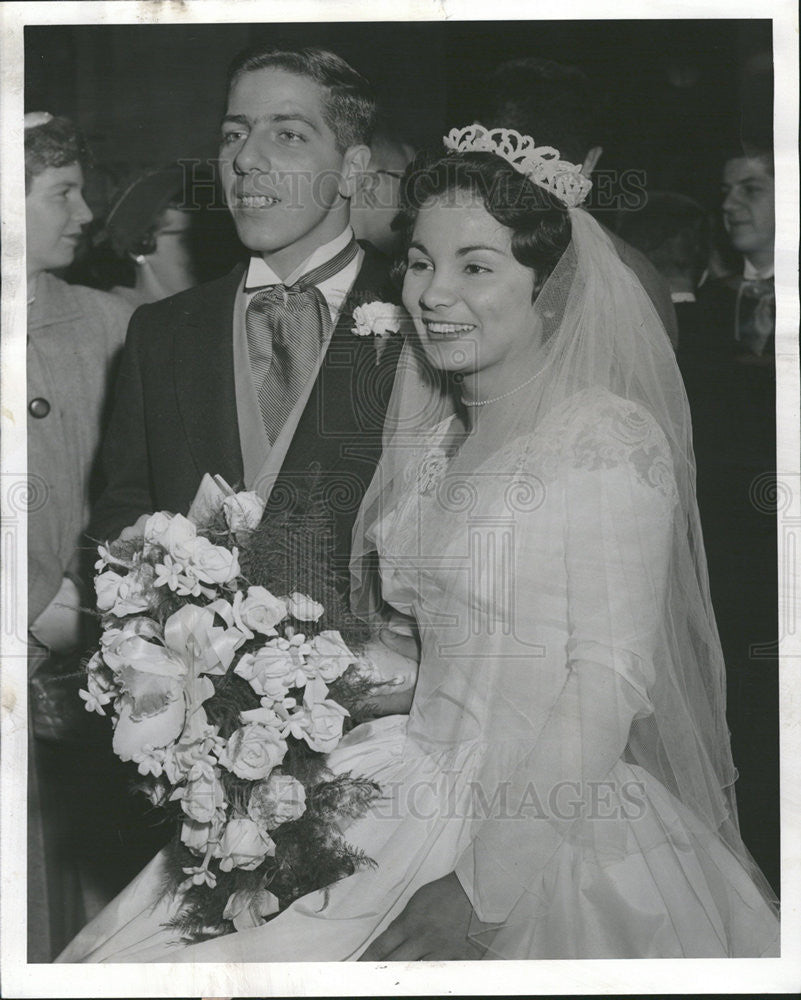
175,418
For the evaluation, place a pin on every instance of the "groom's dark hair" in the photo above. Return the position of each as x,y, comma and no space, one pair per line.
350,107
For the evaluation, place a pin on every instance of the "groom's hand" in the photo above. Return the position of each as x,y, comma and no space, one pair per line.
433,927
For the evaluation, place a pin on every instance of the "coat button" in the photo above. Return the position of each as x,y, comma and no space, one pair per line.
38,407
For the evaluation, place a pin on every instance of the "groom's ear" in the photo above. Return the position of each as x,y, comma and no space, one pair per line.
354,166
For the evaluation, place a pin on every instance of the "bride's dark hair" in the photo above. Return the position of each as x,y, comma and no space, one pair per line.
539,222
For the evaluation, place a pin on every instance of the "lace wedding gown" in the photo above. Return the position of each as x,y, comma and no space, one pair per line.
537,582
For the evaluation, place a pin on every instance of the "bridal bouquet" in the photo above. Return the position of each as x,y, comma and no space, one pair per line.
227,697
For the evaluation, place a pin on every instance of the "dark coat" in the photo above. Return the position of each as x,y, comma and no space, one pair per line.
175,417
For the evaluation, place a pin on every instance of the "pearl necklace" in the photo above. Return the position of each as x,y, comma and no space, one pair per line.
504,395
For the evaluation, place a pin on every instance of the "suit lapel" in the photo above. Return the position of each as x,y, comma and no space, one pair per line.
204,378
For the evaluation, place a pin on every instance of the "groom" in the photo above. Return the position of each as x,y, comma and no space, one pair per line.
257,377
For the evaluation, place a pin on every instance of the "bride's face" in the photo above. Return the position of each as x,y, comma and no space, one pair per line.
471,301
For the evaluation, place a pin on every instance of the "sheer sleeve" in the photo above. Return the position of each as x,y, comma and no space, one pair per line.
616,496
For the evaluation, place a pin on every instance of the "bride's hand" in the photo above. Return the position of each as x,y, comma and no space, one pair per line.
404,645
433,927
393,661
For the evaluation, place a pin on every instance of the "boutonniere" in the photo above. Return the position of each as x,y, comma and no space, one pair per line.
379,320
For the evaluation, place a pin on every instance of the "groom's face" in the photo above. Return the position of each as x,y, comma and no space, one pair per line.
285,179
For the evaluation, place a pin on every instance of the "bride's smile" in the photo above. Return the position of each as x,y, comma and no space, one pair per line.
438,328
471,300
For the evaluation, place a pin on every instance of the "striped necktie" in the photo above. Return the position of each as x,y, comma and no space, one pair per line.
286,327
755,316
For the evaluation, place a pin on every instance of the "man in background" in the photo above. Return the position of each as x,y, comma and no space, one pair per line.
374,207
740,309
730,375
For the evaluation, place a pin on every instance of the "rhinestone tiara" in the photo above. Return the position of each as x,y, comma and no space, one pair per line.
541,164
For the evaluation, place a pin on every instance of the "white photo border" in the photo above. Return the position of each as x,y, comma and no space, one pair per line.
689,976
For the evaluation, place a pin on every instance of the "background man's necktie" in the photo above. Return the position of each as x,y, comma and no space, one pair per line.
286,327
756,314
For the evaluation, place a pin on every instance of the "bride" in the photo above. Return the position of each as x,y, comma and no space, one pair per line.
562,786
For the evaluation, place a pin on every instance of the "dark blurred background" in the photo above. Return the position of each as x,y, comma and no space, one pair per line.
672,92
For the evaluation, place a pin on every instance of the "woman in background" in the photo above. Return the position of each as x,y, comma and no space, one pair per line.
150,234
74,338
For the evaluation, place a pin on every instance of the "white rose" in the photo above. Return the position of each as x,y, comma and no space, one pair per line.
243,846
173,532
125,595
270,671
243,511
280,799
304,608
253,751
260,611
181,537
156,528
325,721
107,586
330,657
213,563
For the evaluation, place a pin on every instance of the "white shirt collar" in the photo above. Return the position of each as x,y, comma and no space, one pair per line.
260,273
750,273
682,297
